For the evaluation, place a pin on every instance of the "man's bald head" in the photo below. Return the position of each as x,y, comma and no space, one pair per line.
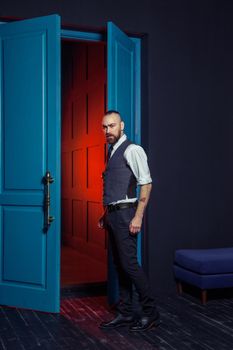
112,111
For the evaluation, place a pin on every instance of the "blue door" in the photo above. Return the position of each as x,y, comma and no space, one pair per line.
121,57
30,134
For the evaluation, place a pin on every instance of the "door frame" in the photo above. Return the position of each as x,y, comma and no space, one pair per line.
77,35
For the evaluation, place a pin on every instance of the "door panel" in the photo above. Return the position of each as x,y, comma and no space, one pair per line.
121,76
18,104
30,132
121,97
31,270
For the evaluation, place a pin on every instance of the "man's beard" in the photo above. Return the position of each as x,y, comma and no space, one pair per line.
112,139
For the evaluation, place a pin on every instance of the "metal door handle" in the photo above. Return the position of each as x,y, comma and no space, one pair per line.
48,179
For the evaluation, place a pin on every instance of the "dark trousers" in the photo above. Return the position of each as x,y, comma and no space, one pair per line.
124,249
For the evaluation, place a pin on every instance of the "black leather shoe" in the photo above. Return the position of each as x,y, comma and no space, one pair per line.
118,321
145,323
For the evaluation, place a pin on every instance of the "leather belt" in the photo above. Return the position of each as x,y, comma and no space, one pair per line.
119,206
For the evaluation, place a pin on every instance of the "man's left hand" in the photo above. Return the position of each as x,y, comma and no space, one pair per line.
135,225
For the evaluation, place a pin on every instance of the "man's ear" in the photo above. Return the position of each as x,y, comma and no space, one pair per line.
122,125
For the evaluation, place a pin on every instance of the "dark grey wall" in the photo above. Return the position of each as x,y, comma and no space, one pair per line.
187,115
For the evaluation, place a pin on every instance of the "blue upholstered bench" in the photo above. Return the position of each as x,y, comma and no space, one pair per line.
204,268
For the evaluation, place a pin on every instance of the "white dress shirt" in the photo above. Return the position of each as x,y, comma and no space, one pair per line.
137,160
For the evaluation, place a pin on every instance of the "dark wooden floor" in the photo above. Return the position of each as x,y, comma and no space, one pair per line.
186,324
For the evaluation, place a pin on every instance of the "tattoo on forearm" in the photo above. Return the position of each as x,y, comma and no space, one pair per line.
143,199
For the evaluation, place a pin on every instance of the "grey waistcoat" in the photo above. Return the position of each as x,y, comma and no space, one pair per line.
119,179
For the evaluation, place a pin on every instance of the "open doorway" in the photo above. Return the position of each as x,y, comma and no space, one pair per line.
83,149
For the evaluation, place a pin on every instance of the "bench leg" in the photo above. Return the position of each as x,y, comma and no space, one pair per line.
179,287
204,296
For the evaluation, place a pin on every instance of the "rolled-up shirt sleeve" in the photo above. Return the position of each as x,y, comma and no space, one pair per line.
137,160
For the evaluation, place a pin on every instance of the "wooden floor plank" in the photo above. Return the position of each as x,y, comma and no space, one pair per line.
186,324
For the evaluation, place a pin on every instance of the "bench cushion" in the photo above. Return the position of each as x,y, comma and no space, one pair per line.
210,281
206,261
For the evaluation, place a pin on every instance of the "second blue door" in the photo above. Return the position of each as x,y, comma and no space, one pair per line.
121,97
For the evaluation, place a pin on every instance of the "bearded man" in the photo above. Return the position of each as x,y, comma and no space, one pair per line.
126,169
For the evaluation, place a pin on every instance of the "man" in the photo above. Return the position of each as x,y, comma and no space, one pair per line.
126,168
